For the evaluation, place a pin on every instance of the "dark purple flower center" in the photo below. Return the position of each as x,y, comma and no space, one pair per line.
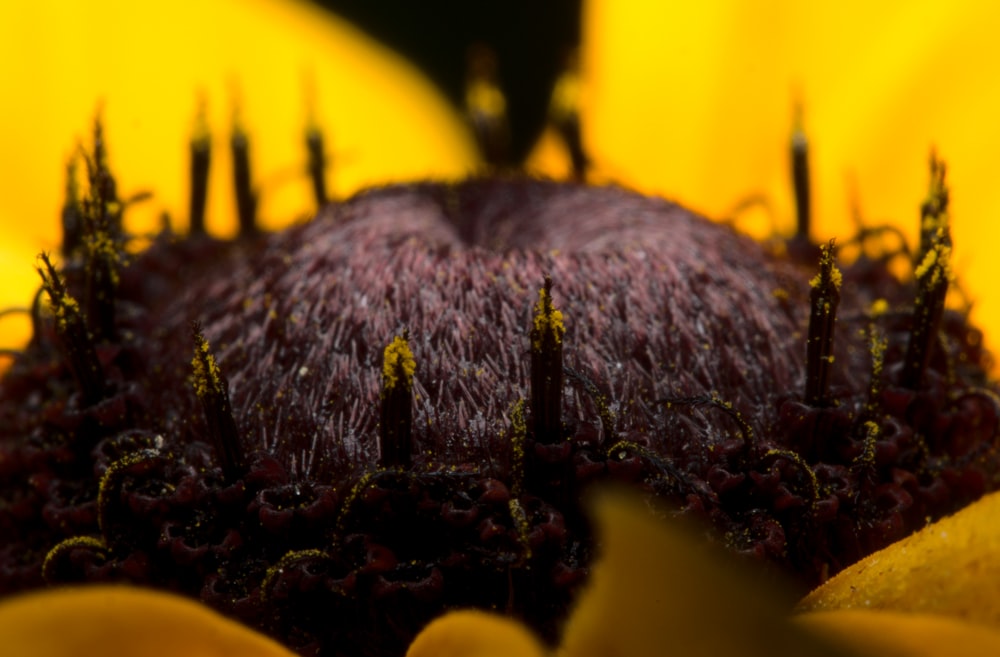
684,373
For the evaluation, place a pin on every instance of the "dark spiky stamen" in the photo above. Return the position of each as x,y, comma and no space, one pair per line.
933,277
547,367
76,340
201,160
101,178
486,106
824,297
877,344
800,178
395,425
934,209
519,432
246,198
933,274
102,262
564,115
103,241
317,164
72,219
212,389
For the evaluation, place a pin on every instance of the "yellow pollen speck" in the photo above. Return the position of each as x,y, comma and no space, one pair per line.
398,361
548,320
486,98
827,267
879,307
926,263
206,370
835,276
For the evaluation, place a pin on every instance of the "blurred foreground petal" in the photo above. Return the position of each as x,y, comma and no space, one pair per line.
894,634
113,621
658,591
475,634
951,568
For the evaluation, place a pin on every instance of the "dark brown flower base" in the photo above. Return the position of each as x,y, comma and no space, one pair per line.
684,370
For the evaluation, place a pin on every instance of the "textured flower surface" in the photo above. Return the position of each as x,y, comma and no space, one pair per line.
654,591
249,506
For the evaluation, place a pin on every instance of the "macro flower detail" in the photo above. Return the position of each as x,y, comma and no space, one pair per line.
656,589
296,469
338,433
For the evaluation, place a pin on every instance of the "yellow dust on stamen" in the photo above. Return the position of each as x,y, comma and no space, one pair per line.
548,321
398,363
207,377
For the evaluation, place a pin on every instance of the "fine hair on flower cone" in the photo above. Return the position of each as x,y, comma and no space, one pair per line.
337,431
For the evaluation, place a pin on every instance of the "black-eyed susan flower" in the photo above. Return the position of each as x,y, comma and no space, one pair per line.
338,432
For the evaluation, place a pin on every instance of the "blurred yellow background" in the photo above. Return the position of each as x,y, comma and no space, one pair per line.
146,64
694,100
690,100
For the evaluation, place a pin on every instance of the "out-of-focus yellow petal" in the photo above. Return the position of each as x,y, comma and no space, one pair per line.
113,621
949,568
658,591
475,634
694,100
894,634
146,65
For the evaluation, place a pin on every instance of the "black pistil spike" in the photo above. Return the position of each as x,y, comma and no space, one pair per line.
934,209
76,340
102,208
547,334
212,389
246,197
800,178
201,160
396,421
933,274
103,242
486,106
102,261
317,164
72,215
564,115
933,277
877,344
519,432
823,301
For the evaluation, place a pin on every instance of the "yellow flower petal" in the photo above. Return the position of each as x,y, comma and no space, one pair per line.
950,568
475,634
695,100
147,64
116,620
658,591
893,634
